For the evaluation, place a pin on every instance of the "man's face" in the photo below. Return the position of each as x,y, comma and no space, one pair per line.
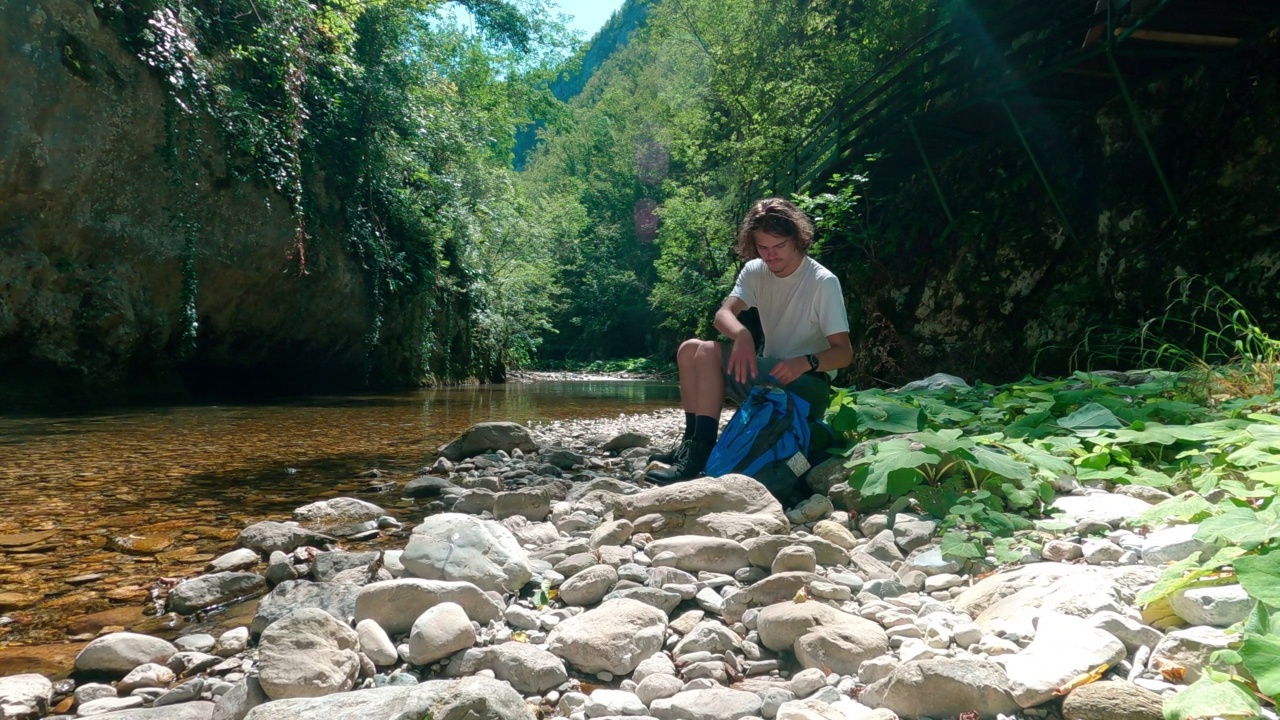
778,252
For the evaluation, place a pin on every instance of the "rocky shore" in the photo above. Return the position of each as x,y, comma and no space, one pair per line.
548,580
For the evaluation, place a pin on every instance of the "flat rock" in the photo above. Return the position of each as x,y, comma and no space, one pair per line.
733,506
762,550
698,553
841,648
337,599
943,687
335,512
1220,606
219,588
457,547
528,668
1064,648
438,699
1106,508
198,710
1173,543
709,704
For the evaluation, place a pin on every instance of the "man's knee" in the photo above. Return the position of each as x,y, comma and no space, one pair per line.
688,350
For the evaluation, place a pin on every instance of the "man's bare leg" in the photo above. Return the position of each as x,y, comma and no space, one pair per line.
710,381
686,363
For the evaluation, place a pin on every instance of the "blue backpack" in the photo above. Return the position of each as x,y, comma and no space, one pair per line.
767,439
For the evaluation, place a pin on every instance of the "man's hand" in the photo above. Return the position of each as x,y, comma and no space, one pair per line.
787,370
742,360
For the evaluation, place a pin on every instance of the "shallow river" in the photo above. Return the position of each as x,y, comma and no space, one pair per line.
94,508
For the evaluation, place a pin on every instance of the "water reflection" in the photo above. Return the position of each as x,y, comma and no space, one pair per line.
144,493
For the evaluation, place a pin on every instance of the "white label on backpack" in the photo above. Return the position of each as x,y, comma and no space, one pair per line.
798,464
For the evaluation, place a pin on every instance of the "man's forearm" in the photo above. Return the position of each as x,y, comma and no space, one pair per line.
834,358
729,324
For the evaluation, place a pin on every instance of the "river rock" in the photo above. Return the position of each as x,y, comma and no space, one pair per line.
376,644
307,653
836,534
217,589
828,473
1187,651
841,648
1098,507
614,532
23,696
781,624
773,589
1064,648
267,536
697,553
456,547
439,632
426,486
733,506
336,512
476,697
198,710
944,687
327,565
337,599
118,653
396,604
238,559
1110,700
709,704
1173,543
589,586
532,503
626,441
528,668
613,637
762,550
604,703
489,437
243,696
1219,606
147,675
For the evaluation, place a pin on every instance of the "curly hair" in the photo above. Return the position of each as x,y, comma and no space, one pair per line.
774,216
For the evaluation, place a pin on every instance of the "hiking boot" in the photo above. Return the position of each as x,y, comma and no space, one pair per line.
687,466
668,457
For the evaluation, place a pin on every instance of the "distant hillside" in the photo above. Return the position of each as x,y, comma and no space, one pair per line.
614,35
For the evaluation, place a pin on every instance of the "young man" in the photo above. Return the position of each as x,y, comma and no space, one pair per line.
806,334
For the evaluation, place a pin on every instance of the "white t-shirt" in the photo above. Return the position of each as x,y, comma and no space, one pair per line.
798,311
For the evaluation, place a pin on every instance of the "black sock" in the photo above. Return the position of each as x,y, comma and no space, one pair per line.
705,428
689,425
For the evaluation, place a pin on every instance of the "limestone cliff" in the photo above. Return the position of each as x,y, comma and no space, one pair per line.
94,232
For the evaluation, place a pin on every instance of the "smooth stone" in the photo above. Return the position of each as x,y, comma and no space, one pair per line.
1109,700
697,553
708,704
1220,606
337,599
121,652
488,437
269,536
217,589
1187,651
1064,648
439,632
238,559
307,653
25,695
528,668
589,586
613,637
944,687
396,604
455,547
375,643
1174,543
735,507
148,675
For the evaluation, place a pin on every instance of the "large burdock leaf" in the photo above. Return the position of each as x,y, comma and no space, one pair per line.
1000,464
1210,699
892,460
1261,654
1259,575
1091,418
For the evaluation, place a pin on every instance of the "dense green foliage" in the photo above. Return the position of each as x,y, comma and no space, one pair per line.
386,125
652,156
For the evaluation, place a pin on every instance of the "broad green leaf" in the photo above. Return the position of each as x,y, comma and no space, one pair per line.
888,418
1000,464
892,456
1259,620
1208,699
1038,458
1095,461
1017,497
1034,424
1240,526
942,440
957,545
1173,579
1090,417
1187,507
1085,473
1260,577
1269,474
845,420
1261,656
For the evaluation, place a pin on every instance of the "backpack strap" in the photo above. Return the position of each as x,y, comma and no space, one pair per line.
770,436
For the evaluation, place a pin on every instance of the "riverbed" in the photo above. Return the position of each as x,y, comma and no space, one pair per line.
96,507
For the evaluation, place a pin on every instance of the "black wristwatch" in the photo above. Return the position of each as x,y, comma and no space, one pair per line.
813,361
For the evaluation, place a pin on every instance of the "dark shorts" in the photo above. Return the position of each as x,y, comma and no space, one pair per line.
813,387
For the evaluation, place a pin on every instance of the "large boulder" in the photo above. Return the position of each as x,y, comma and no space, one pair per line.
733,506
118,653
490,437
457,547
613,637
944,687
307,654
396,604
464,699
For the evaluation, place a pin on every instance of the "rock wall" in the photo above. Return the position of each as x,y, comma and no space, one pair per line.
93,237
1010,291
